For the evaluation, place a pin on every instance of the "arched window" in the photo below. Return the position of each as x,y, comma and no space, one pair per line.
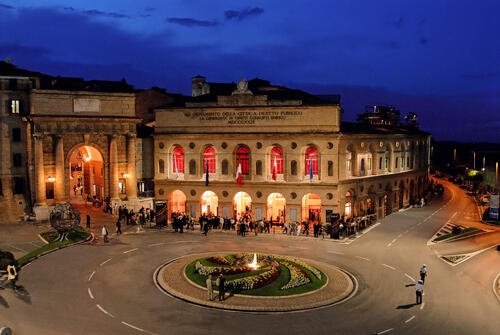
277,160
178,160
243,157
209,159
312,161
161,166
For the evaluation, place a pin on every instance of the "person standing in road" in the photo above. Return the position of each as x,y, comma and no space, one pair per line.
118,227
419,290
423,273
222,281
210,288
12,276
105,234
88,221
205,228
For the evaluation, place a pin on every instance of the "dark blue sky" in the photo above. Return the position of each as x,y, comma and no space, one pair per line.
440,59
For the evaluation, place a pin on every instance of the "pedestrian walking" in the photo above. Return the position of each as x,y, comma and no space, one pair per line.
222,281
88,221
12,276
105,234
118,227
419,290
205,228
210,289
423,273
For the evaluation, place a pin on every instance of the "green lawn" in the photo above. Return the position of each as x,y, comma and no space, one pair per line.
273,289
446,236
78,235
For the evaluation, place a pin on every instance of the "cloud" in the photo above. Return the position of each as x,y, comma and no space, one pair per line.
423,41
96,12
243,14
484,75
190,22
5,6
398,23
14,50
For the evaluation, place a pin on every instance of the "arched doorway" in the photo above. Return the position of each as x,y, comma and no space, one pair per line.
209,203
242,205
276,204
177,202
86,173
412,192
311,207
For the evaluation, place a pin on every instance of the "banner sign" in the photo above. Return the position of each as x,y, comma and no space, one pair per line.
494,205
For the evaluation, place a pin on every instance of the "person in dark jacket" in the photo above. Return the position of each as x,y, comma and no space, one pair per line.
222,291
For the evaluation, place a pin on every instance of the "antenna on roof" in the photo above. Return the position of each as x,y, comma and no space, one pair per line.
8,60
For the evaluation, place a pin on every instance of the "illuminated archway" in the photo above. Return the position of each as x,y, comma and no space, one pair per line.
311,207
209,203
276,205
242,205
86,173
177,202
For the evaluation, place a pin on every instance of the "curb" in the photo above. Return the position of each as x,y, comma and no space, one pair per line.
496,286
91,236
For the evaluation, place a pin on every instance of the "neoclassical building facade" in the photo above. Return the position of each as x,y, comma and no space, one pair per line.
298,160
63,138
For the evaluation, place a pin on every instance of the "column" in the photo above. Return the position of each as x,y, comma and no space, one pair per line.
40,193
131,161
113,168
5,160
60,194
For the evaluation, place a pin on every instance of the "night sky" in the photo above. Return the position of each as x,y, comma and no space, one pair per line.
439,59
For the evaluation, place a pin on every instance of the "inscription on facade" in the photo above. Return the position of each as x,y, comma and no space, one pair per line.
244,117
86,105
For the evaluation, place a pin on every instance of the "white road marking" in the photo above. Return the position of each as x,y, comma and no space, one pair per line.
336,252
90,293
132,326
91,275
126,252
19,249
366,259
407,275
413,317
104,311
156,244
422,306
388,266
389,244
385,331
105,261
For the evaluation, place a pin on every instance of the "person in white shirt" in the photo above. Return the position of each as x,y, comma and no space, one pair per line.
423,273
419,290
210,288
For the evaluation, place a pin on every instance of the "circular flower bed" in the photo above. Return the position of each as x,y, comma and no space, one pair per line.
270,276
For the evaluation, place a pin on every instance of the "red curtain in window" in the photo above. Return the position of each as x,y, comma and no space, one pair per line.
243,156
209,160
178,160
277,158
312,158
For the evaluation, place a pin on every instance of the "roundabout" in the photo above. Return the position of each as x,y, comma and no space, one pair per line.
256,282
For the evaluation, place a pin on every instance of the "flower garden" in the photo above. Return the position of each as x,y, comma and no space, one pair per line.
272,275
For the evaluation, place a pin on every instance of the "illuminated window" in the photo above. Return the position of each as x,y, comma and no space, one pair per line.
243,158
14,106
348,165
312,161
209,158
277,160
178,160
369,164
121,186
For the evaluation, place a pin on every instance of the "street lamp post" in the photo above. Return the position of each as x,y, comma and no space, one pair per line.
454,155
474,164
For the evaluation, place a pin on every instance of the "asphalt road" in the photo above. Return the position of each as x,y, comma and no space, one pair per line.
96,289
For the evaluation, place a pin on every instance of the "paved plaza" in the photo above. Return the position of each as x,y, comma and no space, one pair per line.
101,288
